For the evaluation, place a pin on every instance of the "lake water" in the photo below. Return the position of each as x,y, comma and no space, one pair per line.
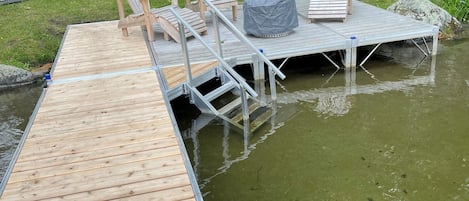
16,106
397,132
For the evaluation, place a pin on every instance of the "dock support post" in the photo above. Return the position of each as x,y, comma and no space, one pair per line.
433,70
259,78
258,68
350,81
435,40
354,51
351,52
273,86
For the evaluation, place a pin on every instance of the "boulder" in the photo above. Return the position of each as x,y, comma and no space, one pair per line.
4,2
426,11
11,76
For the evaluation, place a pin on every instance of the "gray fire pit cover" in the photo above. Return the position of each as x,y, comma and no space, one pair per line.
264,18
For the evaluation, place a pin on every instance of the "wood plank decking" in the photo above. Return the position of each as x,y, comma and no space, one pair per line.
102,131
368,24
176,75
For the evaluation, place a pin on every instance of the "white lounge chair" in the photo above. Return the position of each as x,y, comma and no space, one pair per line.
220,4
144,16
329,9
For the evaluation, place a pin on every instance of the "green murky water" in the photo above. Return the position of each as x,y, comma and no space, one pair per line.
401,133
16,105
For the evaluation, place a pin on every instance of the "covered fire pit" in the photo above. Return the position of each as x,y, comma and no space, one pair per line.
269,18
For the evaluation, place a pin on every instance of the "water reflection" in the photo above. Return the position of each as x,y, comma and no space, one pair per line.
334,101
215,147
235,145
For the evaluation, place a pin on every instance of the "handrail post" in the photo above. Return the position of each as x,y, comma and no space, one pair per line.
243,38
217,33
185,54
233,73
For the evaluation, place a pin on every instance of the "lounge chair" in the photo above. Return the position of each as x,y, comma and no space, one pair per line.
201,7
144,16
329,9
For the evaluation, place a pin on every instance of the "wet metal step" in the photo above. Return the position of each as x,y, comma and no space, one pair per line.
252,107
230,106
261,119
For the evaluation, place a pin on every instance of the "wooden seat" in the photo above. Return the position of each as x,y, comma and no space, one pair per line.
220,4
329,9
144,16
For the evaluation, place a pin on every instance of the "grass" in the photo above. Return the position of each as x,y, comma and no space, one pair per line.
31,31
380,3
457,8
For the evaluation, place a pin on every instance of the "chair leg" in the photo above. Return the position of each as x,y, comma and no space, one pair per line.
202,9
148,21
166,36
120,6
234,12
349,7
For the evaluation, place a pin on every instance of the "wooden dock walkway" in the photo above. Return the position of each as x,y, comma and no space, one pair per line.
102,130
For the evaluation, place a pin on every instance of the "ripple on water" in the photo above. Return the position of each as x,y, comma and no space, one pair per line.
10,136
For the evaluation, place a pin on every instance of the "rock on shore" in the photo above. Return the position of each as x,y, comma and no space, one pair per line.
11,76
426,11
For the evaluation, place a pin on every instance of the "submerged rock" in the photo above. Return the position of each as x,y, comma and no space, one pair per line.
11,76
426,11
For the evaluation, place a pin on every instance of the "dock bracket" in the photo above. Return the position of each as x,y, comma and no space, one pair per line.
369,54
330,60
418,46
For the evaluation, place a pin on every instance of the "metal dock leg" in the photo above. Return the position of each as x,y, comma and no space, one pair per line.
351,52
435,40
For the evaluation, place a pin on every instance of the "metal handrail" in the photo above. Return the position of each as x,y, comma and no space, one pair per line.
227,67
243,38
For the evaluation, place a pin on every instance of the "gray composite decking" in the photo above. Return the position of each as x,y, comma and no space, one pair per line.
368,24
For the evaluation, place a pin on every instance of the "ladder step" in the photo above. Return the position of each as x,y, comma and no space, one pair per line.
220,91
230,106
261,119
204,77
253,107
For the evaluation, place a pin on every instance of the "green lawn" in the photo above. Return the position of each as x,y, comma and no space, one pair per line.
31,31
380,3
